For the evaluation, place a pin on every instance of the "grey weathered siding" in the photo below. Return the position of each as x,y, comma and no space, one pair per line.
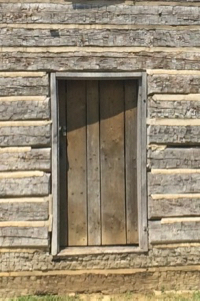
161,38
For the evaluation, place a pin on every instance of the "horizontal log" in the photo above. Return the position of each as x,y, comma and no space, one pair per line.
24,109
164,83
173,109
173,183
24,184
23,236
166,134
174,158
91,13
60,59
156,37
12,210
25,158
173,207
174,232
10,86
22,134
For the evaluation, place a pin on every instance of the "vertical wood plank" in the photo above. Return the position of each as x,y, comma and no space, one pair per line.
112,162
76,152
131,161
55,168
93,168
63,169
142,172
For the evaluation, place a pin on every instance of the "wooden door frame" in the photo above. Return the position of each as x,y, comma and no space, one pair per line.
141,151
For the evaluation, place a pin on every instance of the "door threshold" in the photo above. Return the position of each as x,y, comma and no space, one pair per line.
99,250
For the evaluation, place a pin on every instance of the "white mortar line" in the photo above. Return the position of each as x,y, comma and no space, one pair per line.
22,74
175,196
179,220
24,98
175,171
173,122
24,123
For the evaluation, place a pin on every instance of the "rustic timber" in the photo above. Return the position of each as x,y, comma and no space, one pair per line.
76,159
25,134
12,210
10,86
24,109
93,164
24,158
23,236
173,207
153,37
163,134
58,58
174,232
173,183
173,109
112,162
131,98
123,13
24,184
174,157
167,83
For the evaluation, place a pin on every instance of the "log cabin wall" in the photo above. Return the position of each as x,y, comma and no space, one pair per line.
40,37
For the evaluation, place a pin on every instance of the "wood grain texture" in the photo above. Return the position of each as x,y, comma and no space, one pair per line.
173,109
13,159
177,207
24,236
112,162
93,13
130,94
173,233
155,37
30,135
164,83
174,158
27,211
30,86
93,164
173,183
76,157
25,186
50,59
24,109
163,134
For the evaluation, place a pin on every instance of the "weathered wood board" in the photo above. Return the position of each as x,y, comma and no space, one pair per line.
166,134
134,37
24,109
173,183
29,210
174,232
23,236
76,158
30,86
130,95
24,184
173,109
16,134
66,59
93,164
168,83
93,13
25,158
112,163
174,158
173,207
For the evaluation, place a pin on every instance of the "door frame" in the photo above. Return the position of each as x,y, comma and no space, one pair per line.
141,151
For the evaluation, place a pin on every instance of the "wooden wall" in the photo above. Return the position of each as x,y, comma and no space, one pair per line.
162,38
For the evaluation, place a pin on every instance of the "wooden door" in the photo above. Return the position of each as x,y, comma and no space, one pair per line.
99,178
